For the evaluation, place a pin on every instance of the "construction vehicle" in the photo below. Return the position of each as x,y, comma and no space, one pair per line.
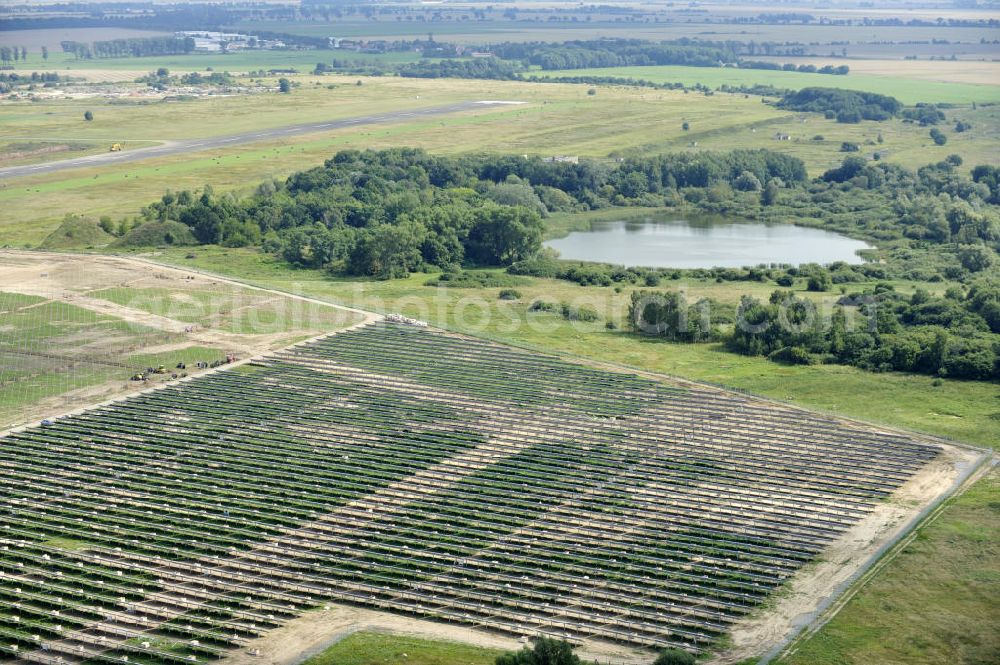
160,370
117,147
138,377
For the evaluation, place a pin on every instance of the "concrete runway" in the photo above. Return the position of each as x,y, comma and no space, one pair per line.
199,145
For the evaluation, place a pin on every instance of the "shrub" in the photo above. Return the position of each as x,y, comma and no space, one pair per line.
793,355
542,306
547,651
509,294
584,313
674,657
819,281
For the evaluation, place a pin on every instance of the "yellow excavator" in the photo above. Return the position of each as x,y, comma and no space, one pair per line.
118,147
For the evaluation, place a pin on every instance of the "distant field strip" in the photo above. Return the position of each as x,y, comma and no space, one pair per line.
907,90
420,472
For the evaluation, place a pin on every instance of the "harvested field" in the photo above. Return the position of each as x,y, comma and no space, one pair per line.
437,476
976,72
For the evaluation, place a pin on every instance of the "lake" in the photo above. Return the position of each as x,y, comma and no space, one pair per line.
705,244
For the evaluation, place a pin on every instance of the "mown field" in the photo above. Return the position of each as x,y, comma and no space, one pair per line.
906,90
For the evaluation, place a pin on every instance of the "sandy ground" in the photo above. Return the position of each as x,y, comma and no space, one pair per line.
318,630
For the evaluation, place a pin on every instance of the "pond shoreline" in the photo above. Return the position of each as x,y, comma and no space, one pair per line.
668,239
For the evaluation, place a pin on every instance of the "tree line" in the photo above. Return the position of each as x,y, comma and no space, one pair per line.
133,47
11,54
956,335
618,53
390,212
11,80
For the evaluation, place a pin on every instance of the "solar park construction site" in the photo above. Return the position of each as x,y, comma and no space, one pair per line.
422,473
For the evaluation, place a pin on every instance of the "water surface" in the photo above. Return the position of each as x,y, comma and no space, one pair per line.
705,244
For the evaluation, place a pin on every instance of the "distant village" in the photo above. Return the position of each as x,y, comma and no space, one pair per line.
224,42
227,42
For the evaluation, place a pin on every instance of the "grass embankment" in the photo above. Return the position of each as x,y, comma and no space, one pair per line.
368,648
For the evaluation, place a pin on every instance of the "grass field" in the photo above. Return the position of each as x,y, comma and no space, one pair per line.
369,648
556,119
908,91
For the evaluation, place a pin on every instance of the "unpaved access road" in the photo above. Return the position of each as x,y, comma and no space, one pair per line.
189,146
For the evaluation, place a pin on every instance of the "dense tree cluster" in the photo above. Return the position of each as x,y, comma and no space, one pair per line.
924,114
11,80
137,47
373,213
839,70
546,651
845,105
955,335
161,79
478,68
